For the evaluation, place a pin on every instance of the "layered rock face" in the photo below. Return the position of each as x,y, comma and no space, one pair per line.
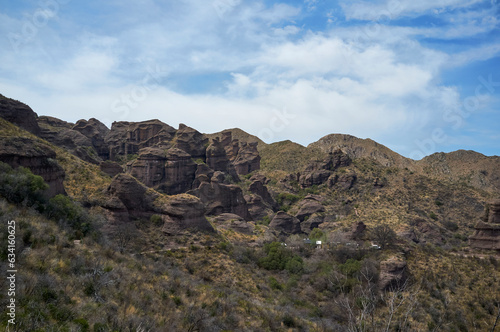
248,158
191,141
319,172
59,133
130,198
19,114
38,157
126,138
221,198
487,235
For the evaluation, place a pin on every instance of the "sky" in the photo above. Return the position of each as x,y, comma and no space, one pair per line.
417,76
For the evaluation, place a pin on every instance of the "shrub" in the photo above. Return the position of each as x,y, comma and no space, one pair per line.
279,257
384,235
20,185
156,220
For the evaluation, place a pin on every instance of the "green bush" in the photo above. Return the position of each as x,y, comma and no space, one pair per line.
278,257
350,267
20,185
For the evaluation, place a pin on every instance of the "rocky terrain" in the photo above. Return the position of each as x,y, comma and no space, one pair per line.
231,233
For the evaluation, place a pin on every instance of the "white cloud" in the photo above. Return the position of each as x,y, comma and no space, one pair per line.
391,9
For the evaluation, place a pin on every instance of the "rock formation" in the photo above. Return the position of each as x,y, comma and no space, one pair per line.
19,114
96,131
126,138
221,198
319,172
234,222
285,224
111,168
309,206
487,235
393,273
128,198
191,141
35,155
59,133
248,158
184,213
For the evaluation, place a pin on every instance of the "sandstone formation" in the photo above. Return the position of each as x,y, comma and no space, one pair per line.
126,138
258,187
248,158
487,235
191,141
319,172
184,212
96,131
59,133
285,224
19,114
221,198
128,198
35,155
309,206
111,168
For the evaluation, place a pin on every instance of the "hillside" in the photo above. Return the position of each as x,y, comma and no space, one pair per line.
147,227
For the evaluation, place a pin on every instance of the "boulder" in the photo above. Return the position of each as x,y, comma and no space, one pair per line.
309,207
313,222
216,156
343,182
257,187
221,198
393,273
285,224
183,213
357,230
35,155
128,198
257,208
19,114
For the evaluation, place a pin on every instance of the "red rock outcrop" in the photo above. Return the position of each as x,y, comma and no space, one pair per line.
191,141
96,131
285,224
222,198
59,132
126,138
487,235
37,156
130,198
319,172
248,158
111,168
19,114
184,213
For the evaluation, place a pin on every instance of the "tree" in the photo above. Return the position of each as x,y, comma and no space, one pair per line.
384,235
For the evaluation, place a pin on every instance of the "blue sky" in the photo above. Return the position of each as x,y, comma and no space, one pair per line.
417,76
